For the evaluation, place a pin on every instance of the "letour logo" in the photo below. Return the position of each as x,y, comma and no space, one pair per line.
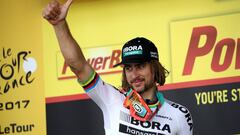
11,66
102,59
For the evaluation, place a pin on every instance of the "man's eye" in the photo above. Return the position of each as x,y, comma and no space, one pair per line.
142,65
127,68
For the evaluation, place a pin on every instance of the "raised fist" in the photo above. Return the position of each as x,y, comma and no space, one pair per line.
55,12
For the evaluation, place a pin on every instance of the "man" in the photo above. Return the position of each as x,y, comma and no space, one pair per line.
138,108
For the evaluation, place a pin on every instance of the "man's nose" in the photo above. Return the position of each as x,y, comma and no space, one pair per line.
135,72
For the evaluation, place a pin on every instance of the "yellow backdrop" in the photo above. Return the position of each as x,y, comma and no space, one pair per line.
22,101
168,24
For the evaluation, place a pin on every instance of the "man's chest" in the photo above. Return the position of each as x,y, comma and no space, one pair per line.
122,123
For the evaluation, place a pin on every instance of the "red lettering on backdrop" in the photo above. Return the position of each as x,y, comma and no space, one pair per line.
105,61
100,62
91,61
237,66
195,50
97,63
115,58
64,69
230,44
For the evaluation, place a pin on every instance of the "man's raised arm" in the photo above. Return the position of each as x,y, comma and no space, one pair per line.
55,13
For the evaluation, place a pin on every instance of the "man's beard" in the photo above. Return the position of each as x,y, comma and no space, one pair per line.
146,87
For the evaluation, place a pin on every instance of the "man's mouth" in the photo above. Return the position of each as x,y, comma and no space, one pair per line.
137,82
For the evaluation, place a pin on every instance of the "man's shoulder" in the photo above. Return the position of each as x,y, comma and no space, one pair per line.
180,113
176,108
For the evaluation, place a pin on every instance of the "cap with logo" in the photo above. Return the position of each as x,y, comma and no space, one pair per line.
138,50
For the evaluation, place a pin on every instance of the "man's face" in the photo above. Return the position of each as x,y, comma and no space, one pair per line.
139,76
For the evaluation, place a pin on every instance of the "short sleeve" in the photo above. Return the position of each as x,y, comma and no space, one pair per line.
100,92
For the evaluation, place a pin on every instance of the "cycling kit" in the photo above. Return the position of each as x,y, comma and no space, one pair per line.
170,119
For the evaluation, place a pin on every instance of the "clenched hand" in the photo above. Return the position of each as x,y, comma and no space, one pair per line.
55,12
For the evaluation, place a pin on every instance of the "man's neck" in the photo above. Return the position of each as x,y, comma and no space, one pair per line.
150,94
